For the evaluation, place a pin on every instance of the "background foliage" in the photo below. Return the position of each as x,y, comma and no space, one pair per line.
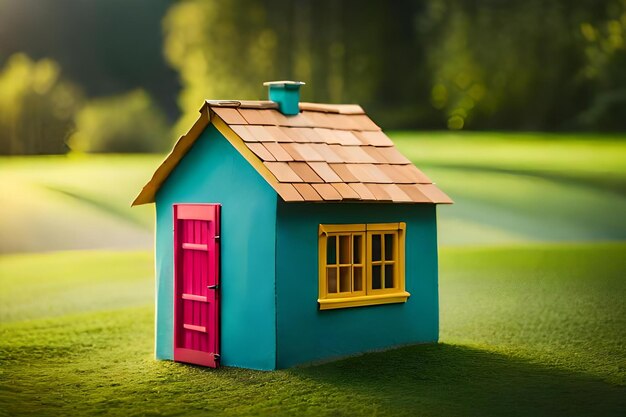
431,64
36,106
124,123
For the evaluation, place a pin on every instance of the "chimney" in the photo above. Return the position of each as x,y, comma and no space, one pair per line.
286,94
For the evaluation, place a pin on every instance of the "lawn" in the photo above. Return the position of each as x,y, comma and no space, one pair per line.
509,188
541,332
532,290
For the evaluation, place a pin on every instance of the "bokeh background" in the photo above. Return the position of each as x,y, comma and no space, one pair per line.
517,109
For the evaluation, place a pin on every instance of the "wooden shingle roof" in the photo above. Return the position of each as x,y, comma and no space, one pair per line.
325,153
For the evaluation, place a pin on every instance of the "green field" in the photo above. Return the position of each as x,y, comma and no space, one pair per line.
532,336
508,188
532,290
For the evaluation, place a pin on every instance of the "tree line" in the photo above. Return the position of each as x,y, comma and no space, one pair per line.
431,64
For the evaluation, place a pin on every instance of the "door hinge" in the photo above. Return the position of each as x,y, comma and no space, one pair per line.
214,287
216,357
217,237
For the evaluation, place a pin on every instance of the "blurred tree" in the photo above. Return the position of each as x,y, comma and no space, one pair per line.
36,107
106,46
605,69
504,65
431,64
227,49
125,123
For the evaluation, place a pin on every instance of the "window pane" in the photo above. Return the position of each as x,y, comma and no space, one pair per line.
344,249
332,279
357,242
331,250
357,275
376,247
389,247
344,279
389,276
376,278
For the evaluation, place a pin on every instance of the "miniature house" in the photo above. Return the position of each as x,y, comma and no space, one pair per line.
290,233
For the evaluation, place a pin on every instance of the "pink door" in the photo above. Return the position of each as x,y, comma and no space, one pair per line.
196,283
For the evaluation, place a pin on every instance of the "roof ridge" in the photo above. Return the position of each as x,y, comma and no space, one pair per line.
304,106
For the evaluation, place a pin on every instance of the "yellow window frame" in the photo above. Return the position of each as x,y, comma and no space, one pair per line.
367,295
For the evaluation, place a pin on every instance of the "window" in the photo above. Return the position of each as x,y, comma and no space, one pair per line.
361,264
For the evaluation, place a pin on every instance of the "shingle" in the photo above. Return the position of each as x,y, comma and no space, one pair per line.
257,104
344,173
434,194
352,154
379,193
346,191
298,120
327,192
260,133
307,192
307,152
294,133
311,135
305,172
362,191
260,151
244,104
258,117
346,137
396,174
277,134
282,172
364,122
326,135
319,119
360,172
375,154
414,193
368,173
326,153
291,149
288,192
414,173
333,108
378,175
325,172
396,193
244,133
393,156
343,122
357,154
222,103
374,138
278,152
229,115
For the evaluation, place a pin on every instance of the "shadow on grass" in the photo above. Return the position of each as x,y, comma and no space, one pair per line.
446,380
610,183
100,205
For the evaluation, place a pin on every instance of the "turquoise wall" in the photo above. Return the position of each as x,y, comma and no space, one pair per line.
306,334
214,172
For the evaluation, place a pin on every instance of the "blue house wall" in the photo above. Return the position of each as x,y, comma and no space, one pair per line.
214,172
306,334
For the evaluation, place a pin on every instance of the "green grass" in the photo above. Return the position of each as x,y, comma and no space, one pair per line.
508,188
595,160
532,330
74,202
524,187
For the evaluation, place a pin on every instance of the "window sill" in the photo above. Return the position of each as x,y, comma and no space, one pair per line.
365,300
